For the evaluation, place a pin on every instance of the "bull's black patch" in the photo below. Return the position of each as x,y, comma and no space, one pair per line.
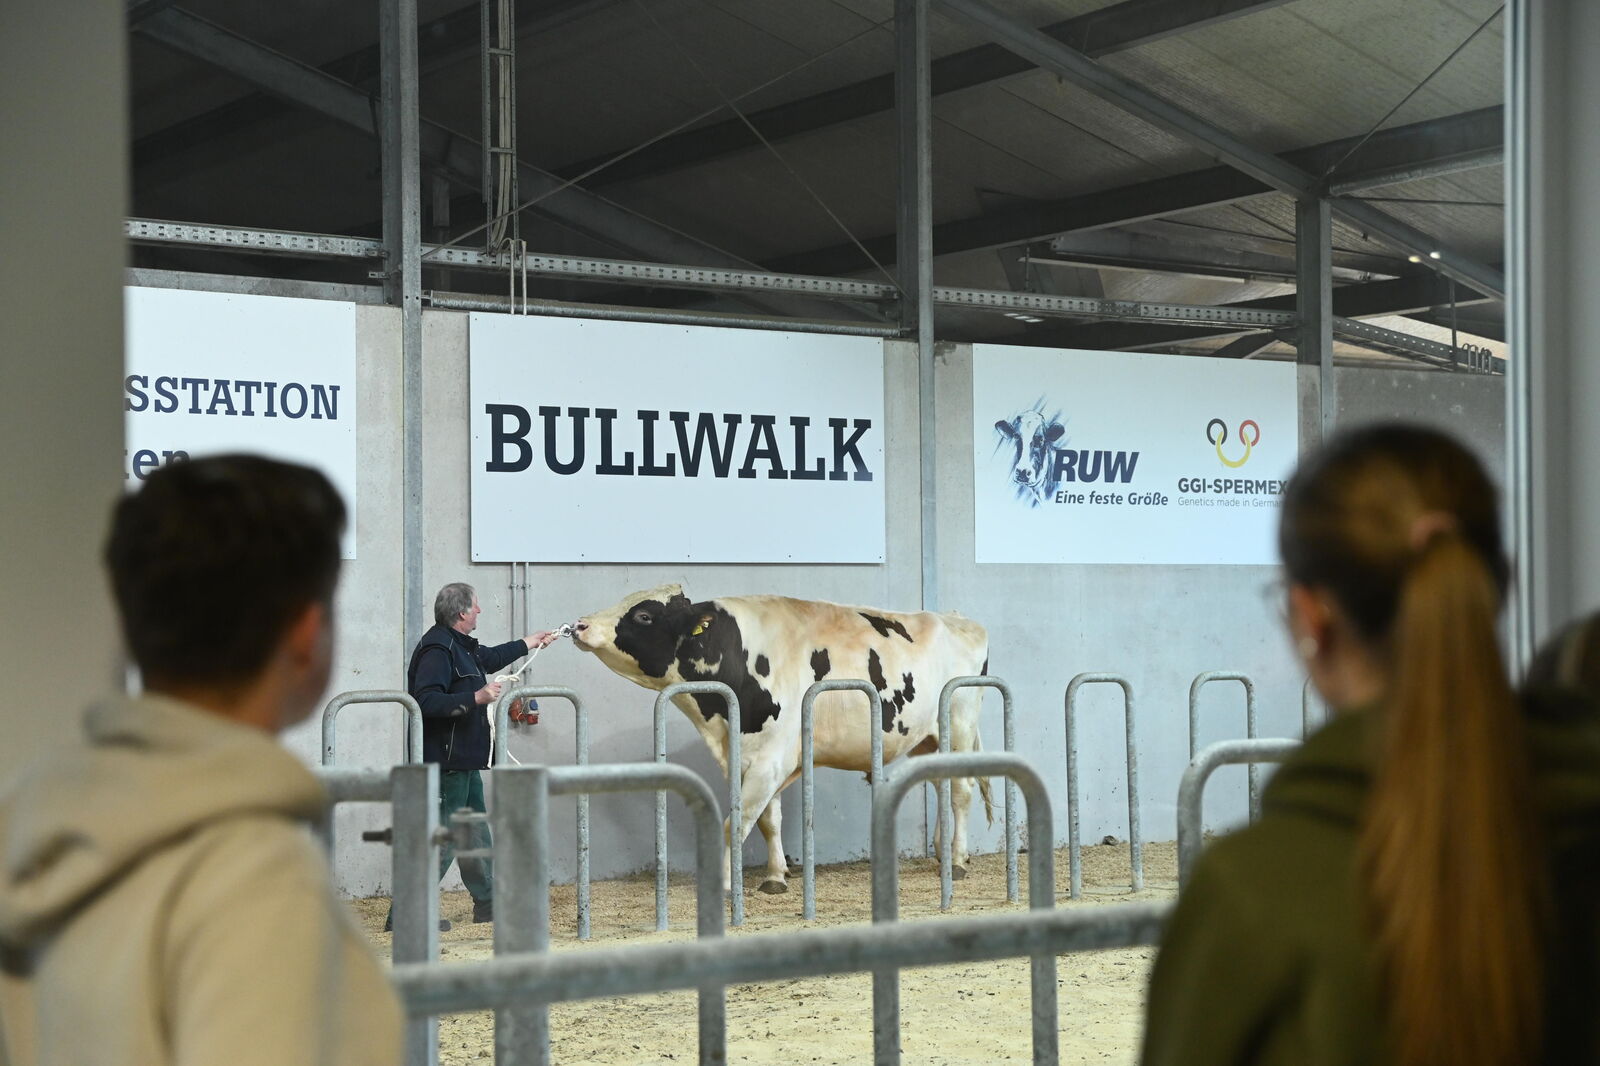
763,667
892,702
820,666
875,671
885,626
648,631
985,671
714,640
903,730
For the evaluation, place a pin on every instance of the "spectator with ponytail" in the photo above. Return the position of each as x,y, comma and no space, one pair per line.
1420,888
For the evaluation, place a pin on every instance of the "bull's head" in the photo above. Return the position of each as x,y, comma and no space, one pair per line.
1034,438
639,636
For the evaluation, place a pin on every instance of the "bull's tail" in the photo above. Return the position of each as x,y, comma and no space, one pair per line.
983,784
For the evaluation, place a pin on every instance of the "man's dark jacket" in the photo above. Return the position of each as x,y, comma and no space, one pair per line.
446,670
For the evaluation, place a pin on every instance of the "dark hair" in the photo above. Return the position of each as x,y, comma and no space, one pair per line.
1570,660
1399,525
211,559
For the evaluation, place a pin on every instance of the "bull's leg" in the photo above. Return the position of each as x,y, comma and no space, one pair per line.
758,791
960,804
963,738
771,823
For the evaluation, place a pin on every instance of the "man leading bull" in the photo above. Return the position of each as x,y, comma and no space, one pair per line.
449,677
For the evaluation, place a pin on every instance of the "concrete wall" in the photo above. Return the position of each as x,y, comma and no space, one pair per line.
1160,626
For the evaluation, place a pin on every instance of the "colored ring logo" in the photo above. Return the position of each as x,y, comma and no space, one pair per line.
1249,433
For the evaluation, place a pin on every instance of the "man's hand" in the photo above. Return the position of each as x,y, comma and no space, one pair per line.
488,693
541,639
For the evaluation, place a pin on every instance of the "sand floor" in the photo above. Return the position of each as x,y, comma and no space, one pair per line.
952,1014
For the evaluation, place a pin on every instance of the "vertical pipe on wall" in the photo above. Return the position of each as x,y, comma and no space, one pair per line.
914,237
402,282
1313,251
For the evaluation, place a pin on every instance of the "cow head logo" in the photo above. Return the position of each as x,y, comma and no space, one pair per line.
1249,436
1031,440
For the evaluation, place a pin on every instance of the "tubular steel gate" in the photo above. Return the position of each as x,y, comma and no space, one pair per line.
524,978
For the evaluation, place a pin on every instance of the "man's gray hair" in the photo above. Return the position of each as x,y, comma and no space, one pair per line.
451,601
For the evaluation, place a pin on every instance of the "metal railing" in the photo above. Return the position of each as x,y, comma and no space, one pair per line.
808,798
735,795
1191,790
524,977
1201,682
502,721
522,920
887,798
1135,839
946,820
330,715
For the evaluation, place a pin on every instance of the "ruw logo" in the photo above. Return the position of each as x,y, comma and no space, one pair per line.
1249,433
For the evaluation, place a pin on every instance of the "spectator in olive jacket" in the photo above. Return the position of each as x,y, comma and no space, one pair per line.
1423,886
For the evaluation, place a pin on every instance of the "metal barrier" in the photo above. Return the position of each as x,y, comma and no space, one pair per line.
735,796
887,797
502,720
1191,791
808,797
522,842
946,815
347,785
1135,839
455,987
415,840
1249,722
413,735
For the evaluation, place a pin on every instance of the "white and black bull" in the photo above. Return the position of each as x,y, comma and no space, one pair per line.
769,650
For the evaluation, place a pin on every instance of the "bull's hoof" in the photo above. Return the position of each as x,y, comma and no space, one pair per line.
958,873
774,888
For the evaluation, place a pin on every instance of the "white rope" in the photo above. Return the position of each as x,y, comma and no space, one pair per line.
563,630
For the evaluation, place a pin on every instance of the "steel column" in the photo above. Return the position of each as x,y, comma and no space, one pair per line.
1528,614
402,282
1313,255
913,103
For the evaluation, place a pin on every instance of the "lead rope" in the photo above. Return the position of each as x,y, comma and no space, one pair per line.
563,630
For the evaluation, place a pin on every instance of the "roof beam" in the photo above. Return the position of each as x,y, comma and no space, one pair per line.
1098,33
451,153
1413,146
441,42
1398,296
1197,256
1265,167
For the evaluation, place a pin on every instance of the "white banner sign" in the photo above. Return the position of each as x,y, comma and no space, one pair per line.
635,442
211,372
1124,457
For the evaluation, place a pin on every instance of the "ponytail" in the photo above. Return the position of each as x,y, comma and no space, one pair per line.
1450,851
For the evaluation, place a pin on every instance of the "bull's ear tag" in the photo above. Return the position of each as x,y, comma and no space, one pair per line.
700,626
